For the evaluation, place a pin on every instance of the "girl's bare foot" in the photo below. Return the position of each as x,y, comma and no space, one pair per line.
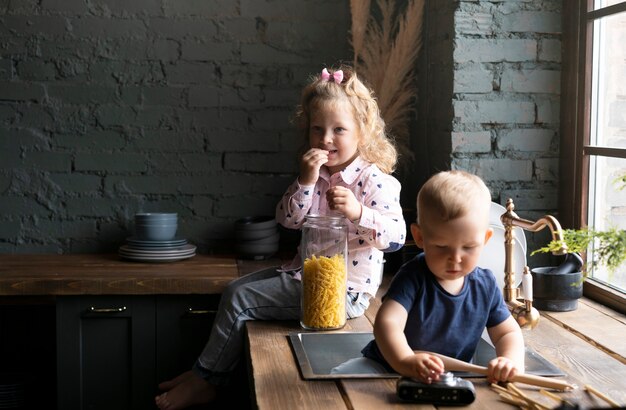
190,391
170,384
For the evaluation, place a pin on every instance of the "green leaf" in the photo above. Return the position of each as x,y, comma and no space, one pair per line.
609,245
620,181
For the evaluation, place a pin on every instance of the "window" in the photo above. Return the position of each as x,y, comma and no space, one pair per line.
593,128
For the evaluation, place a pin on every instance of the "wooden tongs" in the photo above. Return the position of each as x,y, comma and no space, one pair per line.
459,365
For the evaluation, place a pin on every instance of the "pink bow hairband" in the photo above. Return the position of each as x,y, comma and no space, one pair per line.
337,76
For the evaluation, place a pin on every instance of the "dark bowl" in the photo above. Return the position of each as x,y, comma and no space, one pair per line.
256,251
273,238
556,292
243,234
255,223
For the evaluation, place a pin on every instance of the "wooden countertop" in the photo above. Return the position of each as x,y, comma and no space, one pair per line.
586,344
104,274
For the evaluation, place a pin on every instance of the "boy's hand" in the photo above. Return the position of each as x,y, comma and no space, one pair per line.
424,367
341,199
310,165
501,369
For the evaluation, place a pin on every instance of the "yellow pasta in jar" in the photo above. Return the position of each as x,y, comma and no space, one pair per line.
324,292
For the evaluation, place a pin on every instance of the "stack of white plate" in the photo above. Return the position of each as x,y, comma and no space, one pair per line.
142,250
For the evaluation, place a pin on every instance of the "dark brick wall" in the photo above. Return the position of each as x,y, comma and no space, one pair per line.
112,107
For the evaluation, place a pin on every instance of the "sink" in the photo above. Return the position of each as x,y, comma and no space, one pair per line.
319,352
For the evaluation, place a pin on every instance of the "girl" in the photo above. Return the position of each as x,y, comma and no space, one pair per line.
345,170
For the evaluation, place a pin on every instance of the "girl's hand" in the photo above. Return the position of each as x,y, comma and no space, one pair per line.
341,199
310,165
501,369
425,367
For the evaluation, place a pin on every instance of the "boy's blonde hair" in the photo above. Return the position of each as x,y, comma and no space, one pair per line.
374,146
449,195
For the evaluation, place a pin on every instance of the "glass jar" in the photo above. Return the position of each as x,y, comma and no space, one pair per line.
324,250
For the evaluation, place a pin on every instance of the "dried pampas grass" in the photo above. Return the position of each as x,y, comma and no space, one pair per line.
385,55
360,10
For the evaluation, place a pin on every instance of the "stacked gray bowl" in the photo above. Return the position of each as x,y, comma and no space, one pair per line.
256,237
157,226
155,240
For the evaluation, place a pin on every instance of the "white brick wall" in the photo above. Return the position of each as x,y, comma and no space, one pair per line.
506,98
523,139
471,142
488,50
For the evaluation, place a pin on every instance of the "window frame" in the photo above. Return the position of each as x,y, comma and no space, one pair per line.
575,117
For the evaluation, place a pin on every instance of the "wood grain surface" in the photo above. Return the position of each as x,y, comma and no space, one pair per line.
596,324
581,360
570,341
276,378
100,274
587,344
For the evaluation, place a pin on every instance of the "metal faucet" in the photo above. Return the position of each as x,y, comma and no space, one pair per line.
524,313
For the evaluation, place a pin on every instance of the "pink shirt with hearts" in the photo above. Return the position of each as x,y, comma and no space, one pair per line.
381,227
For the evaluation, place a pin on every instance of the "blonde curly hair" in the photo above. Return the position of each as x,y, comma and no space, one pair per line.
375,145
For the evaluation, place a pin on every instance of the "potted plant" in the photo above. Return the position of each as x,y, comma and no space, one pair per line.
558,289
609,250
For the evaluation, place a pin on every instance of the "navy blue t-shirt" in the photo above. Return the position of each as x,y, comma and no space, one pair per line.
439,321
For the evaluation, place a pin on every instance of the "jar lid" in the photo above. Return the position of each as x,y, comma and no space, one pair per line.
328,220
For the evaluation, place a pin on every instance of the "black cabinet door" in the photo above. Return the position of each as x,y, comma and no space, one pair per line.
182,329
27,354
105,352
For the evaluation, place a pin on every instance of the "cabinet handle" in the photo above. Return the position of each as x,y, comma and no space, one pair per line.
192,311
107,310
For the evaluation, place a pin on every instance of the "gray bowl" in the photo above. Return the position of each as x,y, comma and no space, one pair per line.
156,232
156,216
154,223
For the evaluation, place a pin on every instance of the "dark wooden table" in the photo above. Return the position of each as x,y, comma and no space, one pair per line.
588,345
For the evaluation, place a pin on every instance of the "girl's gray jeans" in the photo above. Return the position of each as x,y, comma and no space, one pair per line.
264,295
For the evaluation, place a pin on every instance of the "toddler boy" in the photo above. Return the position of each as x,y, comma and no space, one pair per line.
441,302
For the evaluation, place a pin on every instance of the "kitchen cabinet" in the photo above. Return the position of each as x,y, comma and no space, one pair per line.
183,325
140,331
113,350
27,353
105,352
